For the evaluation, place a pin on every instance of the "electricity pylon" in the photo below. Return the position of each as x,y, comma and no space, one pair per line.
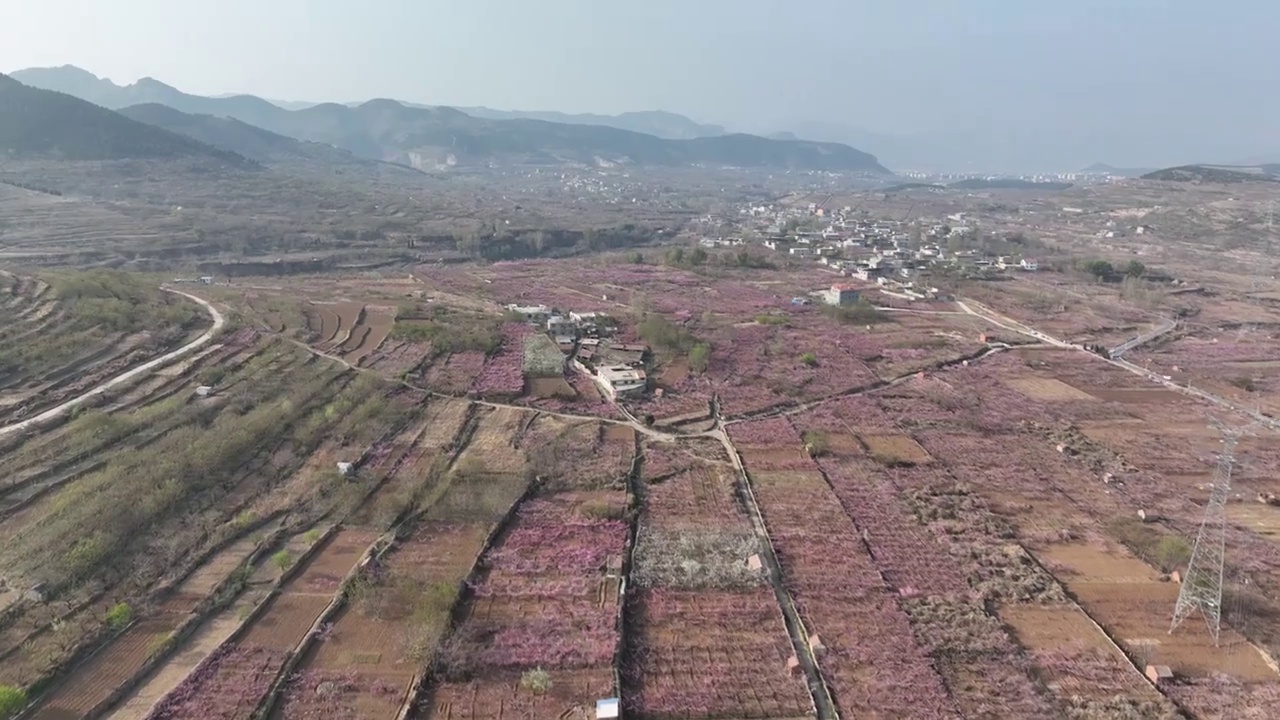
1202,585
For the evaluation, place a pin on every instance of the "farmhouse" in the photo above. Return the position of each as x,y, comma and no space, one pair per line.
841,295
561,325
1029,264
531,313
620,380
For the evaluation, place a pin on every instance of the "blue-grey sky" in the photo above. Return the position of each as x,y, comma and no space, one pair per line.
1035,83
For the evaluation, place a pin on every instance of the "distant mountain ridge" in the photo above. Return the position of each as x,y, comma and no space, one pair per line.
659,123
36,123
1217,173
243,139
437,137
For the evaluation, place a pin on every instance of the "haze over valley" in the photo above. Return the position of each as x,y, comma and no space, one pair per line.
699,361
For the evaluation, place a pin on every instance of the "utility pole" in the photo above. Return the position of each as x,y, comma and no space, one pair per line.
1202,586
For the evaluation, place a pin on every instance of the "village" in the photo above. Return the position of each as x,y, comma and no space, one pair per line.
900,256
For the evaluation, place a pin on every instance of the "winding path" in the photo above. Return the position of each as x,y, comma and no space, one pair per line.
167,358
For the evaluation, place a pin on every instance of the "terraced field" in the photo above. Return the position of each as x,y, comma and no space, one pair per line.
315,535
64,333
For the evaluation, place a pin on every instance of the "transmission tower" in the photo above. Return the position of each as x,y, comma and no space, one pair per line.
1202,585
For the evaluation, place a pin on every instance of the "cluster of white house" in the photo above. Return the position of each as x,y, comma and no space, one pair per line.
617,368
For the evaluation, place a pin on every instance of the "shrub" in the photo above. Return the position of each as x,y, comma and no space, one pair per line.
282,559
816,443
1172,552
537,681
660,332
861,312
809,359
119,616
213,375
312,536
700,357
243,519
12,700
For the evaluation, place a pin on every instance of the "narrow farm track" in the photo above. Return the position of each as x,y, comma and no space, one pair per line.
218,322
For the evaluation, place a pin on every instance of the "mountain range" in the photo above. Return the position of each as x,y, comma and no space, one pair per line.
426,137
45,124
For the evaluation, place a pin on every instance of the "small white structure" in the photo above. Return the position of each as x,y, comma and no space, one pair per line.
1159,674
345,469
204,391
36,594
1029,264
608,708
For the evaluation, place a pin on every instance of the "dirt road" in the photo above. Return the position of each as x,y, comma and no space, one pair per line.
150,365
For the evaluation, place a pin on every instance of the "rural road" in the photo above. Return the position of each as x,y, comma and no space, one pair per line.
218,322
1001,321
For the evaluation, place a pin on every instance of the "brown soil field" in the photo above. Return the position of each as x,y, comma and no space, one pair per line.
843,444
773,458
1256,517
286,621
329,323
378,322
556,387
325,569
895,449
348,318
367,643
353,342
1048,627
209,576
673,374
572,696
797,480
1143,396
618,433
1126,596
1047,389
93,682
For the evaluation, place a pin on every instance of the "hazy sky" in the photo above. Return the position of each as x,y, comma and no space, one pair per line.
1124,81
